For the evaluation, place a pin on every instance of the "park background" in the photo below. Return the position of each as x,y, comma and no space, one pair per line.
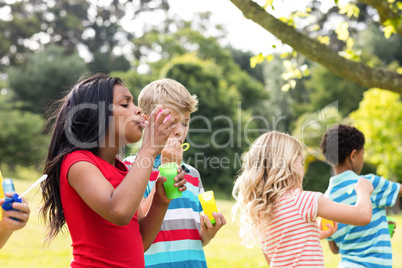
341,66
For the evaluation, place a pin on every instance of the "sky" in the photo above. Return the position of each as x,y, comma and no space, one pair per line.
242,33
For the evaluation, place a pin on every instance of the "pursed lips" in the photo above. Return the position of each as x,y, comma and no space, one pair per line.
142,122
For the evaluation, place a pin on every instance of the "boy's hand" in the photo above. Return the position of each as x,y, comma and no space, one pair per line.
11,225
393,231
330,231
180,182
209,230
172,152
363,186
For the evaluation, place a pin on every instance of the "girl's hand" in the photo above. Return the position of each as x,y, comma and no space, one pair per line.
330,231
172,152
363,186
180,182
156,132
209,230
11,225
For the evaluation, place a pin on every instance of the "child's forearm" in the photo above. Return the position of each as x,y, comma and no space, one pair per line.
334,248
127,197
4,235
358,214
364,212
151,223
267,258
147,202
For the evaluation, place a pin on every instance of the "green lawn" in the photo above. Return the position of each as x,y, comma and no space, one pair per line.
25,248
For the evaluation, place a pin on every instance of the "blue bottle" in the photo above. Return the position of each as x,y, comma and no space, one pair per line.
8,186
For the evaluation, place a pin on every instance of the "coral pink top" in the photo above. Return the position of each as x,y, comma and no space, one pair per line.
293,237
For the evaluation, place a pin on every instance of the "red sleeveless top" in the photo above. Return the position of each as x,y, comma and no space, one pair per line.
97,242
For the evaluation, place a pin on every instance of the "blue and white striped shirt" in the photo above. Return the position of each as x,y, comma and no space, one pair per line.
370,245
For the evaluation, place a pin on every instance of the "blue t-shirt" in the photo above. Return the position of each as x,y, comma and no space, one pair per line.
178,243
370,245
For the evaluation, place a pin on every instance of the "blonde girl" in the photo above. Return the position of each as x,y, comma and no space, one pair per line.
275,210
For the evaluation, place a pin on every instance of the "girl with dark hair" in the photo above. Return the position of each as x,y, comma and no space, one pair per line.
91,190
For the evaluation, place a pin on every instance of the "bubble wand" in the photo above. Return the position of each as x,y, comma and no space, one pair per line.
44,177
186,145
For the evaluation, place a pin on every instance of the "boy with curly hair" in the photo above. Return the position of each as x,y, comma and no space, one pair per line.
360,246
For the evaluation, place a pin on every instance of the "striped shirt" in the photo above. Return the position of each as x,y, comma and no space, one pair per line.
370,245
178,243
293,237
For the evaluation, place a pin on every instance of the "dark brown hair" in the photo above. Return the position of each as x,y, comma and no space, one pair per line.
81,123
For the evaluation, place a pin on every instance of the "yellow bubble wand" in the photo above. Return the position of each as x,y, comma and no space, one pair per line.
185,146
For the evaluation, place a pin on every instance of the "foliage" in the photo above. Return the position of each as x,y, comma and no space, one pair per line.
21,138
134,81
45,77
378,117
310,127
95,26
310,32
108,62
325,88
243,60
377,50
317,177
283,107
186,40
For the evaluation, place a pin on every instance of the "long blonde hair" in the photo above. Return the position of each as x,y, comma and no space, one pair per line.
267,173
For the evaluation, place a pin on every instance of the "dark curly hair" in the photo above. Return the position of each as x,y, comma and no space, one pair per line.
339,141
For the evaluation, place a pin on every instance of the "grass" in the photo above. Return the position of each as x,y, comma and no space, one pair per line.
25,248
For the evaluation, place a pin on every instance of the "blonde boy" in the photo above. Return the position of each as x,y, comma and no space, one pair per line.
183,233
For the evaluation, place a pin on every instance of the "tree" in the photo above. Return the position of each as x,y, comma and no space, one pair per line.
243,60
325,88
45,77
21,138
378,117
216,136
107,63
95,26
186,40
344,64
283,107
